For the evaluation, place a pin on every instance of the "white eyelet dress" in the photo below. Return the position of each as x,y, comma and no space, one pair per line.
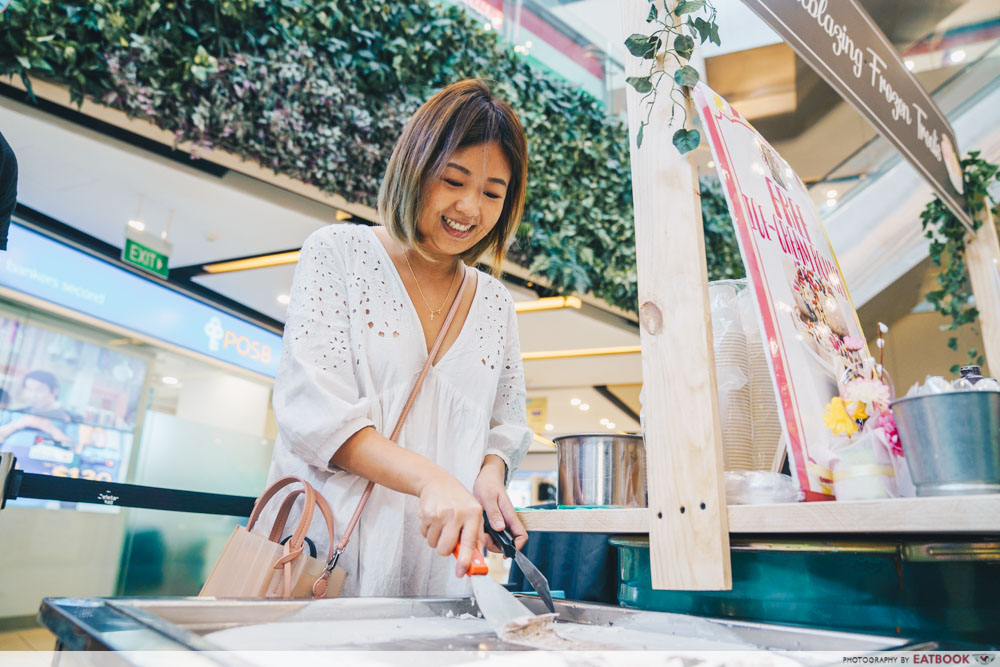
353,346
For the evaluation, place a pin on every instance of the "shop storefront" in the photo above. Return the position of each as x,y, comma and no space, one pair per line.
108,376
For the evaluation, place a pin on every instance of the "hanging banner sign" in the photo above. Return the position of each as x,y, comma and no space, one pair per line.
843,45
809,321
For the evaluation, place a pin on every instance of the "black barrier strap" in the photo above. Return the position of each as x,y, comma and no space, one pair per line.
67,489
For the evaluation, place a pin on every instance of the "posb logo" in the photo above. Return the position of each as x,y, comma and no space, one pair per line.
220,338
215,332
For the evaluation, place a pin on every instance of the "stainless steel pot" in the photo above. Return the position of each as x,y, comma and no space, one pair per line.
601,470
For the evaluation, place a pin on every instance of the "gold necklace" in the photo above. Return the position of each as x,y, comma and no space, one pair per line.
433,312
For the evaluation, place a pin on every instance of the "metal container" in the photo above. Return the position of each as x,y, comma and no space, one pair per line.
951,441
601,470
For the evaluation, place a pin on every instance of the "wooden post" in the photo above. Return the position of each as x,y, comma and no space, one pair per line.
688,524
983,257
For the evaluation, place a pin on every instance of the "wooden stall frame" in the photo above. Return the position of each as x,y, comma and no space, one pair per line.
688,532
661,179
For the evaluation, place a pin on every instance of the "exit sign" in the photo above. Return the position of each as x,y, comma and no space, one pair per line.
146,251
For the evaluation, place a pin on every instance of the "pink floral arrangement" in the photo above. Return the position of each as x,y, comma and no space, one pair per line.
864,394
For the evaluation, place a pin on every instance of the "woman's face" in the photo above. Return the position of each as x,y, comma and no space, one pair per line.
464,203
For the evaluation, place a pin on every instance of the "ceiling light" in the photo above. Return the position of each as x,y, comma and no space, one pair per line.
548,303
830,194
169,379
956,56
610,425
575,401
550,427
137,225
283,299
584,407
259,262
711,164
585,352
909,64
604,421
487,26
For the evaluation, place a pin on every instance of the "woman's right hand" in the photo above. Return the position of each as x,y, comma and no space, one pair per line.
450,515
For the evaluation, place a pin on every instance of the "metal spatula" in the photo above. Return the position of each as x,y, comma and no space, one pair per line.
505,541
497,604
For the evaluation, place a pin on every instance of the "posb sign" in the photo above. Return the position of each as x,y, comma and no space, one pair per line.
221,338
251,349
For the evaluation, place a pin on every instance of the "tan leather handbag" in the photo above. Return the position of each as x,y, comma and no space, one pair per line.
255,566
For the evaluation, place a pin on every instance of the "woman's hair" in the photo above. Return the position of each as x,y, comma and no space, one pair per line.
463,114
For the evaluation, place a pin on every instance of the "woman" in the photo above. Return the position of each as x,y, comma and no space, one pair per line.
366,306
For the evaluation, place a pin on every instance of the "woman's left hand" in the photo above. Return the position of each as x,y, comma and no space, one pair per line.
491,493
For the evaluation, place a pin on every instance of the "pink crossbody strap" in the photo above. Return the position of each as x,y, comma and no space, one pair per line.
406,408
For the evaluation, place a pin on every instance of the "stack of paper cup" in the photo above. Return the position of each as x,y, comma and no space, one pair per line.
733,375
763,403
764,410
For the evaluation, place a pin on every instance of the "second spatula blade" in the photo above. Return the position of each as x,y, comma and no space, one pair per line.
498,605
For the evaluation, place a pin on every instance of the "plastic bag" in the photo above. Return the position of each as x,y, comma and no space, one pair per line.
865,467
757,487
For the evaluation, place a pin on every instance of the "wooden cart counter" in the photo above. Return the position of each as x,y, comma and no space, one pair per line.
939,514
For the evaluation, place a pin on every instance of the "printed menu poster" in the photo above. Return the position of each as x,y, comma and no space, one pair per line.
800,292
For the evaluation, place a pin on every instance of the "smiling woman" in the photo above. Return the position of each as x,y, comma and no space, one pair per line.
364,316
461,147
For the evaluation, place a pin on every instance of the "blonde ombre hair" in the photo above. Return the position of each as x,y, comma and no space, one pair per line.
463,114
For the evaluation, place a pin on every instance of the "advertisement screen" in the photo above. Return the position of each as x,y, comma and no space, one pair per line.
67,407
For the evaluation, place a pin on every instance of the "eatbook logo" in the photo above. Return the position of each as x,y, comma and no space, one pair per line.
985,658
215,332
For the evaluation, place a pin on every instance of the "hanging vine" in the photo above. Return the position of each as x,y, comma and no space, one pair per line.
672,37
948,237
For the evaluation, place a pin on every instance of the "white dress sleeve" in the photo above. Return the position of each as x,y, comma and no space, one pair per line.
317,404
510,436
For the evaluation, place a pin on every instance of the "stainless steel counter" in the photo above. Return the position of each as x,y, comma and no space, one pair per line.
205,625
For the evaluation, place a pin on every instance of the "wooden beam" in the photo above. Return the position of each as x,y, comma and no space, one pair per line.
983,257
946,515
688,527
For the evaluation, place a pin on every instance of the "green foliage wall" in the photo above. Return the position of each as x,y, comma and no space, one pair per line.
320,90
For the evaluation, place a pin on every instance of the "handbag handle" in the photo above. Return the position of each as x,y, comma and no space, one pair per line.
406,410
307,510
293,547
278,527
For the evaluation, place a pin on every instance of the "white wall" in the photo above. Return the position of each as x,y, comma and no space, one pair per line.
225,401
56,553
